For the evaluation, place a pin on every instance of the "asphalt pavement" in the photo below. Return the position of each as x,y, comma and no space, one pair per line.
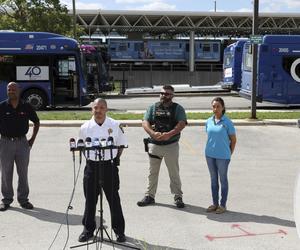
260,204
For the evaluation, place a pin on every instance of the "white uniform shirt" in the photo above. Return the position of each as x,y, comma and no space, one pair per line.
110,127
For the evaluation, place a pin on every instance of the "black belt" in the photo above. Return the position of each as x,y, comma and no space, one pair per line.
16,138
161,143
103,163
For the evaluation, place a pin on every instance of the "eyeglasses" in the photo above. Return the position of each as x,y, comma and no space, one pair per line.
165,93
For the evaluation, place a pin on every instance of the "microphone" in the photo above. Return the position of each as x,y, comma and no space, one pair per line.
110,139
80,147
103,142
80,144
96,142
88,146
103,146
96,145
72,144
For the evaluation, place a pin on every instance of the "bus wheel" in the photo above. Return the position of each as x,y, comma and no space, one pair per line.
36,98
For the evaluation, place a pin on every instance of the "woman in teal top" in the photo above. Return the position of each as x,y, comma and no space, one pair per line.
221,140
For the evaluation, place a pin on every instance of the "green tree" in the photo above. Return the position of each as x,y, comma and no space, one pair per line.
35,15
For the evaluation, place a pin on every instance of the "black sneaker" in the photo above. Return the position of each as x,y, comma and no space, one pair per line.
27,205
147,200
4,207
121,238
85,236
179,203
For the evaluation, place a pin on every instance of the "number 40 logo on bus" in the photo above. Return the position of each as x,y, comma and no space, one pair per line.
33,73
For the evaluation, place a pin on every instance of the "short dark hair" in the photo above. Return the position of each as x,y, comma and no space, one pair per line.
99,100
168,87
221,101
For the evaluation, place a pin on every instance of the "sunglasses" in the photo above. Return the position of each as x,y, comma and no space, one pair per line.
165,94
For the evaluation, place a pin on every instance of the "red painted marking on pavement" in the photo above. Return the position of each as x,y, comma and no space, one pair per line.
282,231
247,234
210,238
239,227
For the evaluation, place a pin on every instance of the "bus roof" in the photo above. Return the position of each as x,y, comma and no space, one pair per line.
281,39
237,44
35,42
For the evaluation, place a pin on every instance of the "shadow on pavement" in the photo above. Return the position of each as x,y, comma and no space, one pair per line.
130,242
231,216
143,245
51,216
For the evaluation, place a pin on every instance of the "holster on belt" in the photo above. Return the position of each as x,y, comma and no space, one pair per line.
146,142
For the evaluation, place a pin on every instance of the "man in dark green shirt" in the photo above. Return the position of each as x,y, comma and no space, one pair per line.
164,121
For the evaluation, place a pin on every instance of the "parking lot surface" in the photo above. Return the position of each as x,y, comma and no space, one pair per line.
262,177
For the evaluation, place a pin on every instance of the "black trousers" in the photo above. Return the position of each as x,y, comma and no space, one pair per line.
94,174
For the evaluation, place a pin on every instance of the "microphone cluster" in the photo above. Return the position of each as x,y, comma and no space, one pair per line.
94,144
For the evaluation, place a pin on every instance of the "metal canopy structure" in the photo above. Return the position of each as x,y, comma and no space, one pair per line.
182,22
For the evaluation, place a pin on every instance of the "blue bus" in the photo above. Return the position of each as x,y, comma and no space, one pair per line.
232,65
278,73
48,67
121,50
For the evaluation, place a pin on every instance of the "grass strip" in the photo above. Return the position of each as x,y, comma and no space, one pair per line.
86,115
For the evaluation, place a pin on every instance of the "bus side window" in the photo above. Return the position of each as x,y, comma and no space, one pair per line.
7,68
206,48
247,62
215,47
187,47
65,66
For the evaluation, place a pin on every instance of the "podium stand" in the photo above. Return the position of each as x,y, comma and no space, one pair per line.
99,151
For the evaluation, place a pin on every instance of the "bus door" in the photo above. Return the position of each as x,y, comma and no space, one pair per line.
271,82
65,80
278,65
270,85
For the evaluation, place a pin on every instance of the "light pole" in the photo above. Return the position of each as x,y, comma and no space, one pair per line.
215,5
254,59
74,19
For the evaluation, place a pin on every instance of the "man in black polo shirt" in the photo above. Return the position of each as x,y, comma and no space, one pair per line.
14,146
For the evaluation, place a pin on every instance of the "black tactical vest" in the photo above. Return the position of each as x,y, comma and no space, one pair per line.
164,117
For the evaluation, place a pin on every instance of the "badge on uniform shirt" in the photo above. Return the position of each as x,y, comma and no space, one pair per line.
110,131
121,127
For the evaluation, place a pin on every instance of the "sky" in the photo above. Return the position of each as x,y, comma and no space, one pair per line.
187,5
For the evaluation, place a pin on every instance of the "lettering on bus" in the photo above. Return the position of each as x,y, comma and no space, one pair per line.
32,73
283,50
41,47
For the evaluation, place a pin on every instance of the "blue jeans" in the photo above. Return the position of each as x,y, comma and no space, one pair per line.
218,167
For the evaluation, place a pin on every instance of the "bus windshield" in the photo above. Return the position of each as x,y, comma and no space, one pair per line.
228,58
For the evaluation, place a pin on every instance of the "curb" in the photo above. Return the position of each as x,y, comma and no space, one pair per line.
138,123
